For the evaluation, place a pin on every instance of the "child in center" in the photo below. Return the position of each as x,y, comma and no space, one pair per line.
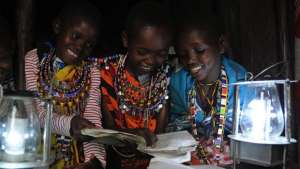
134,85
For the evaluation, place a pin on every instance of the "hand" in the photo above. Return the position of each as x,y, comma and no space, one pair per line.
147,134
77,124
94,163
85,165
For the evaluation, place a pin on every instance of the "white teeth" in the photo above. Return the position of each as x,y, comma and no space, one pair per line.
146,68
72,53
197,68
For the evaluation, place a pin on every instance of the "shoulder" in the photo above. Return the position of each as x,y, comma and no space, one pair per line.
31,69
31,55
108,69
180,73
31,60
234,69
181,79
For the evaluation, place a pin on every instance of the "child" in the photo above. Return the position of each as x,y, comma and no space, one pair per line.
134,87
201,98
61,73
7,46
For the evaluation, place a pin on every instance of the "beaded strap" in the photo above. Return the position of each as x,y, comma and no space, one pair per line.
220,115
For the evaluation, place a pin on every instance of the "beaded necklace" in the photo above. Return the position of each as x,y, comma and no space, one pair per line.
68,97
141,100
218,122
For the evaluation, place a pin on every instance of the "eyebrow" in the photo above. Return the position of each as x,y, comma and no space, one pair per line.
149,50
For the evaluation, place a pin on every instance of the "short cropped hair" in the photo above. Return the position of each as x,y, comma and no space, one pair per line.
208,25
147,13
81,9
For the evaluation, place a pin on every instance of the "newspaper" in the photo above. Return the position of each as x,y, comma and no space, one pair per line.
174,146
113,137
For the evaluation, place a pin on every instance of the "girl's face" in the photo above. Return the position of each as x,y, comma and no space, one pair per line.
76,40
199,56
148,50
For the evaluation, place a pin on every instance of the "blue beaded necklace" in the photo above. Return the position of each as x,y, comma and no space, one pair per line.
68,97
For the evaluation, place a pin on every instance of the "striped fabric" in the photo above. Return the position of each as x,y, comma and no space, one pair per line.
109,99
61,123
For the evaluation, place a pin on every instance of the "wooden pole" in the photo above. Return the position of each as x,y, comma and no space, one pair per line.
24,27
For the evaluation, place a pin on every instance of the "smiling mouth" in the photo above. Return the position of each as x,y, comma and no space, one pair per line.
197,68
71,53
146,68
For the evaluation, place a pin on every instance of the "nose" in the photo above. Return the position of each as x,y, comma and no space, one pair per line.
150,60
191,57
79,46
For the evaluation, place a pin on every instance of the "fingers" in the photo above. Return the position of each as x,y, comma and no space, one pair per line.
69,167
150,137
84,123
77,124
85,138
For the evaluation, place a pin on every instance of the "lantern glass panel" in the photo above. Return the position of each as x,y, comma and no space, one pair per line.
261,115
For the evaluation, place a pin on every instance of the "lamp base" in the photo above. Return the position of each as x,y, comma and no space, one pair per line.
260,154
274,141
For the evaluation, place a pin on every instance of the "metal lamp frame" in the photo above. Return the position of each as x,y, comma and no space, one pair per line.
285,140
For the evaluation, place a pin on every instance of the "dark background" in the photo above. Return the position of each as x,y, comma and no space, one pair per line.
257,30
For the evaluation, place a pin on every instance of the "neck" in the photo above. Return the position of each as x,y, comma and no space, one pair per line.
132,71
214,74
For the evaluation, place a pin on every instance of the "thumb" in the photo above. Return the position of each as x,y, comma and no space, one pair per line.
86,123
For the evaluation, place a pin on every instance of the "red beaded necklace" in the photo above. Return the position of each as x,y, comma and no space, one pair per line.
138,99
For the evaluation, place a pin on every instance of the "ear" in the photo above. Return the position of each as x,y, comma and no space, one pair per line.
125,39
56,25
222,44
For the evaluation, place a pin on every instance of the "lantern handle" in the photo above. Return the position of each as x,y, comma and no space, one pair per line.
266,69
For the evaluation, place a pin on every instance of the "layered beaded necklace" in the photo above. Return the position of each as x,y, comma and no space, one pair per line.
141,100
68,96
215,118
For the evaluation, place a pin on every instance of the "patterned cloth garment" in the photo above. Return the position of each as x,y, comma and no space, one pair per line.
61,120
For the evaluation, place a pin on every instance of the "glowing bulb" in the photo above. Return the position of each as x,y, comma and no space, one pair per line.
262,116
14,139
15,143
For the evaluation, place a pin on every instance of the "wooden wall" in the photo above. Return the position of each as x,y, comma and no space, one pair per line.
260,32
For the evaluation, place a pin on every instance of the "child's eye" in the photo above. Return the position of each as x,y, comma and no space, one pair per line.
163,54
181,53
199,50
89,45
142,52
75,35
